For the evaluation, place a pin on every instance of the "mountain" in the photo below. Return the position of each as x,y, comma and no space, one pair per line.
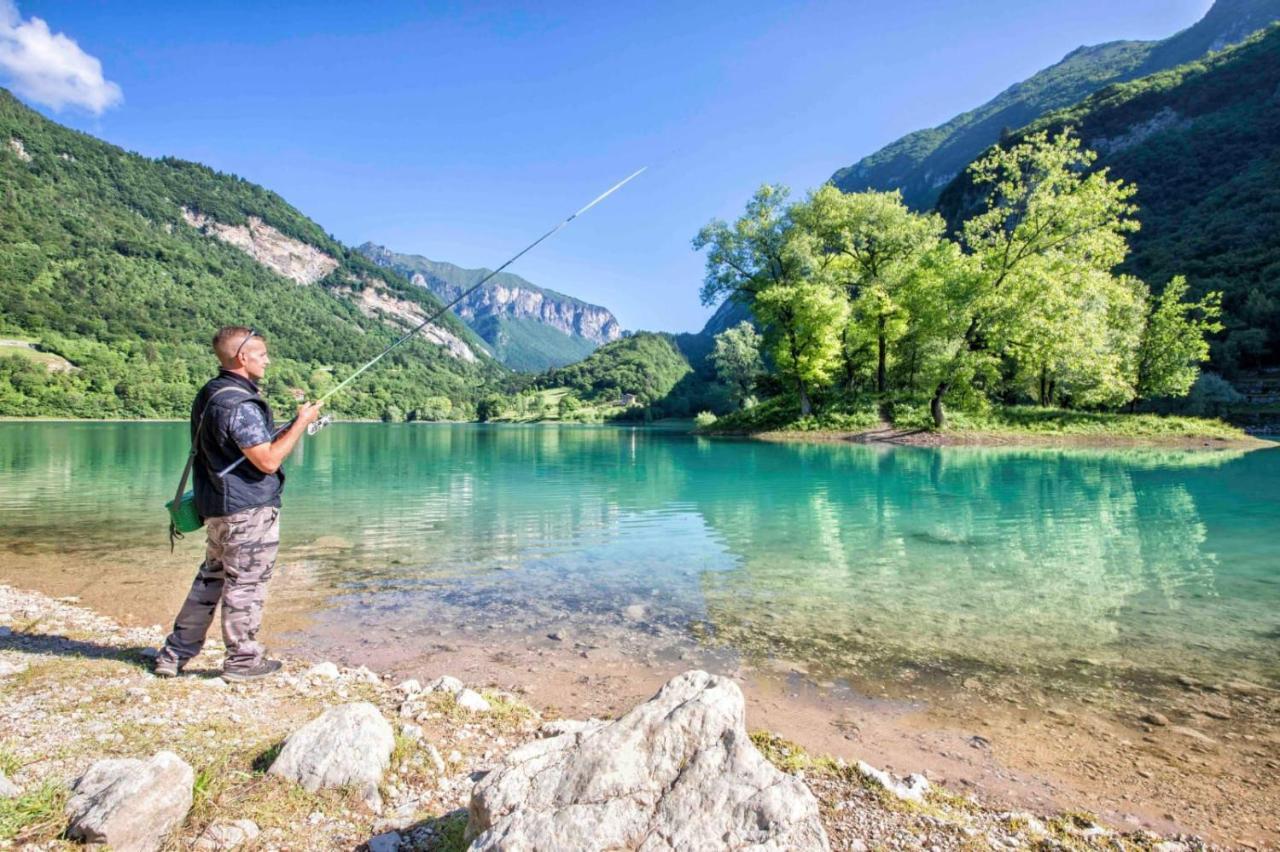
528,328
1202,143
120,267
921,164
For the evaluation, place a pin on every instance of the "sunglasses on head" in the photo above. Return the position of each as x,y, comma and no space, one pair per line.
247,338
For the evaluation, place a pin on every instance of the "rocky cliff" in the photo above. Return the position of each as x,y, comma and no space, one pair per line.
529,327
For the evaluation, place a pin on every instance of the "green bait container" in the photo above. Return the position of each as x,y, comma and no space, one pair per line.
184,516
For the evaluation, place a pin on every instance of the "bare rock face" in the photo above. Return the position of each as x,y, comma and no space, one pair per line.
286,256
130,804
346,745
677,772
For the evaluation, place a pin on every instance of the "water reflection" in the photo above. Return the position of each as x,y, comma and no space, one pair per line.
846,557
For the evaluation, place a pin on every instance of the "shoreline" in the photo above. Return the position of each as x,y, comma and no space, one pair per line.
882,435
888,436
996,740
64,656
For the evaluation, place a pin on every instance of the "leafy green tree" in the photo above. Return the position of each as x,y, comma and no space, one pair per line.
803,323
737,360
1174,341
878,245
751,254
1048,223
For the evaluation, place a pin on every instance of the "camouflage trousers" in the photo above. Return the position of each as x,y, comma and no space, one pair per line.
238,561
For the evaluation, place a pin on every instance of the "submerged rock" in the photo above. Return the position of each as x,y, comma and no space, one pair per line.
346,745
677,772
130,804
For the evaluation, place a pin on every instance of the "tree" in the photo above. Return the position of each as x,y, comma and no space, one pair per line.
736,357
1173,341
751,254
803,323
488,408
1049,222
877,244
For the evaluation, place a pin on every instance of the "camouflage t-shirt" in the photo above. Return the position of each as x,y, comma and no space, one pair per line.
249,426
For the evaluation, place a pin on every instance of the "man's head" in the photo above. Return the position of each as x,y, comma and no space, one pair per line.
241,350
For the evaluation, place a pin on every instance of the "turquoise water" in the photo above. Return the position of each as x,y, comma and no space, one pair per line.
849,560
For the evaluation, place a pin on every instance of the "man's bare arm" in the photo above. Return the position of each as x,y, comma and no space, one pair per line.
267,457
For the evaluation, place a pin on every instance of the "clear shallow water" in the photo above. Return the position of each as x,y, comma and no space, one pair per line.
850,560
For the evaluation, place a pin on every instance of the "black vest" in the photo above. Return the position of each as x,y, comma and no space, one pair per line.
244,487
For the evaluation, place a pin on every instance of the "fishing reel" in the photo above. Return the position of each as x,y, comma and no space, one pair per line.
319,423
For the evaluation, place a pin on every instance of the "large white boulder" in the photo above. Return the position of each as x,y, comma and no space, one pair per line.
677,772
130,804
346,745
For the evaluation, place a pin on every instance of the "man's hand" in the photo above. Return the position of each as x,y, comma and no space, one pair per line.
269,456
307,413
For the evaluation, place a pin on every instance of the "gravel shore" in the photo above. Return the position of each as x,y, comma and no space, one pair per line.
76,687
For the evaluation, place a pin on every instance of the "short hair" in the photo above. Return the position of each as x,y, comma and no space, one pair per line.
229,338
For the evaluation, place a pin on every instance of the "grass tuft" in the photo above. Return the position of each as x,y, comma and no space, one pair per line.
35,815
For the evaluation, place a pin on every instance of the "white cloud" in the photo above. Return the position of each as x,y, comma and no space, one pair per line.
50,68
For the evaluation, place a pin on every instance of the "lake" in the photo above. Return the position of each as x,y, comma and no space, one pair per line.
1061,569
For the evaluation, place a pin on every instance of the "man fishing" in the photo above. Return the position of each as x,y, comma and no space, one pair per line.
230,423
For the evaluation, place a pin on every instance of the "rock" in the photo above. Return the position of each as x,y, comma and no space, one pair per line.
346,745
410,731
325,671
677,772
1244,687
227,835
130,804
473,701
1153,718
444,683
8,669
388,842
635,612
433,754
560,727
8,790
408,688
365,675
1193,734
911,789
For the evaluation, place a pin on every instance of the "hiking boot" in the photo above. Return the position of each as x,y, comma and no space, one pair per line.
167,668
266,668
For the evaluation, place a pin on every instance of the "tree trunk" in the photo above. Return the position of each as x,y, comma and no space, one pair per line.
1053,388
880,365
935,406
1044,386
806,407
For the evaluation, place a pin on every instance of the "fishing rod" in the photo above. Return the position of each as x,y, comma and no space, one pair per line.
316,426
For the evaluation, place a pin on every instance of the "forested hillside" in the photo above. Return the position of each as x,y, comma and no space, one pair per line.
1202,144
921,164
124,266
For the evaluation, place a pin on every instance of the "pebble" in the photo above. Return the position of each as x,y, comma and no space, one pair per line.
1153,718
325,671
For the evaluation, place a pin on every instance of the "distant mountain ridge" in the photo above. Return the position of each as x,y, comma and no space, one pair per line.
921,164
528,328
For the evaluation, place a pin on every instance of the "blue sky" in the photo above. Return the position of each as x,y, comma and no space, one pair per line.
463,130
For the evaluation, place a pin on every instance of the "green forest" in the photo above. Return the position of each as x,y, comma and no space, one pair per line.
870,310
1201,143
98,267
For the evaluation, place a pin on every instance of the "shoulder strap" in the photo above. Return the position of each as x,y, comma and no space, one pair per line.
191,457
